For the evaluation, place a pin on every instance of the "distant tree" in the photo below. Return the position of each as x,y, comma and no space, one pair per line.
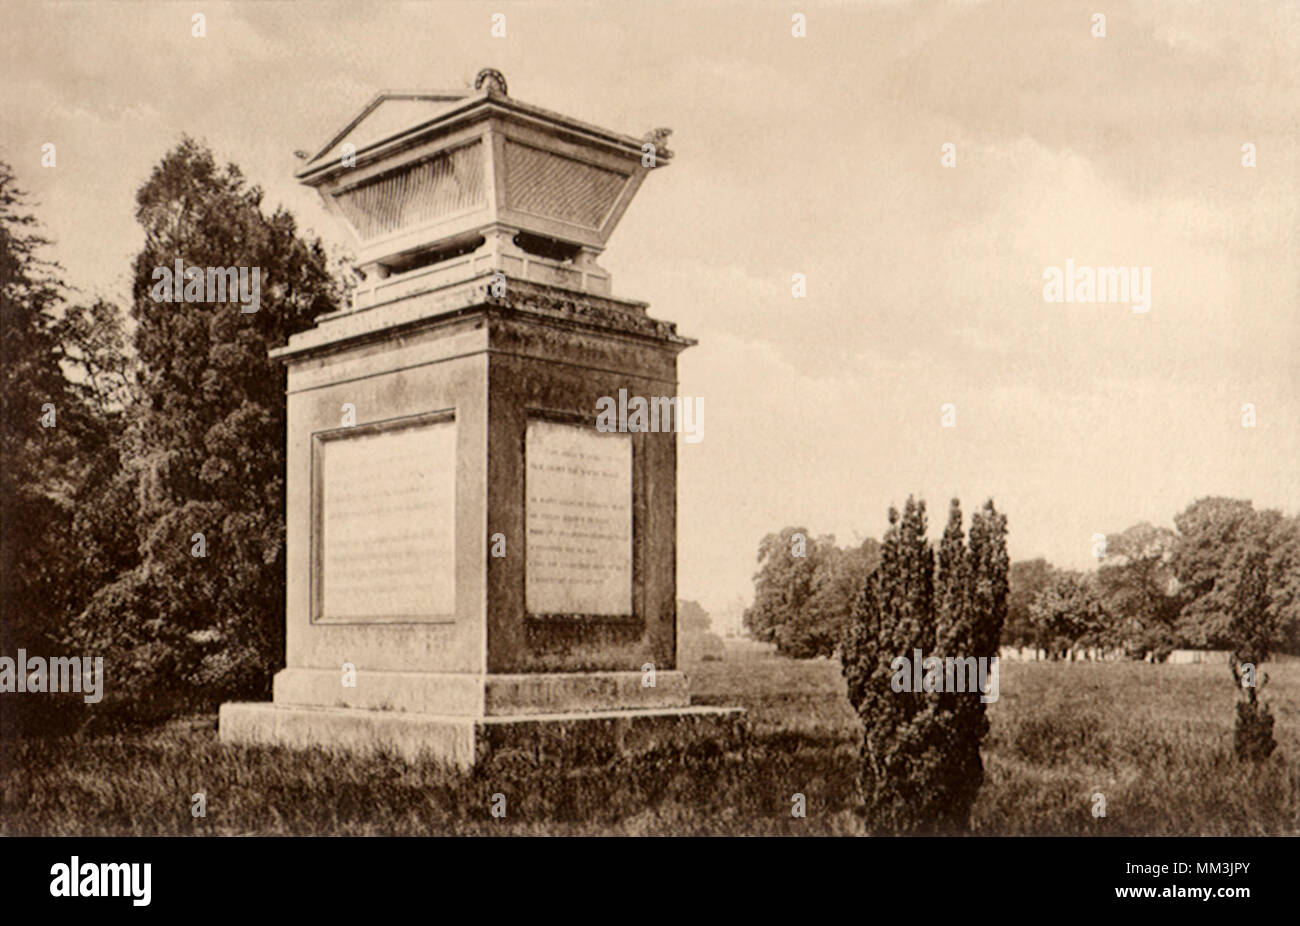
1284,583
696,640
1215,536
921,762
1067,615
804,590
1208,530
205,444
817,628
783,582
692,618
1027,579
1139,591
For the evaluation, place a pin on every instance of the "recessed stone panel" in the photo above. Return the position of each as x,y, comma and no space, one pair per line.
578,514
387,523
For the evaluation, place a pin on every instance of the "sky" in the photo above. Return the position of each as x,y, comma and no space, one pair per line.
818,155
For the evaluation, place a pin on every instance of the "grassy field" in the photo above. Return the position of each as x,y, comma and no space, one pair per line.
1156,741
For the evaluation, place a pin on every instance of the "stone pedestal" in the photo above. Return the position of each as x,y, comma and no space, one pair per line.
477,410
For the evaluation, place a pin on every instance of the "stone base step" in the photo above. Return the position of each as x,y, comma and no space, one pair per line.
462,742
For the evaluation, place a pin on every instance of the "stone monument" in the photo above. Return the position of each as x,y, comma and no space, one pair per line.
472,564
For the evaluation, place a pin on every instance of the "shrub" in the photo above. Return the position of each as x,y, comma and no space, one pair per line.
1251,631
921,765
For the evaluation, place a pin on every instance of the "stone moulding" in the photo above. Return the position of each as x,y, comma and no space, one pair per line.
522,297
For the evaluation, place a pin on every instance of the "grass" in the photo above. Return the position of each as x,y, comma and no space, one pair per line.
1155,740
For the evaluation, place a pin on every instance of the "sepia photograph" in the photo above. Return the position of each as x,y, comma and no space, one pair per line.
873,424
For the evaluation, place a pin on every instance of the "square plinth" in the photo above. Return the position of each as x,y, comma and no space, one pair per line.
481,696
569,739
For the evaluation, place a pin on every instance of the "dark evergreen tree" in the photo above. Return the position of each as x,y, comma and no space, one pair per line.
62,387
206,441
921,761
37,412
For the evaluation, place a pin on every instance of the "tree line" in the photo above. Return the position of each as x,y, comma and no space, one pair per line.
1154,590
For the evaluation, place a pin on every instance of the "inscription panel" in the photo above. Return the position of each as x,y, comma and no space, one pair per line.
578,517
387,524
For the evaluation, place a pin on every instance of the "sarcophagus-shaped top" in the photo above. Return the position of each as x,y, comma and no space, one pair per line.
451,184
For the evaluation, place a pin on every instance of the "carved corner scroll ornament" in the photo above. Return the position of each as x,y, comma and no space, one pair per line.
659,138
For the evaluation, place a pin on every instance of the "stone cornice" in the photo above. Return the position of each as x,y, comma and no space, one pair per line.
539,302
